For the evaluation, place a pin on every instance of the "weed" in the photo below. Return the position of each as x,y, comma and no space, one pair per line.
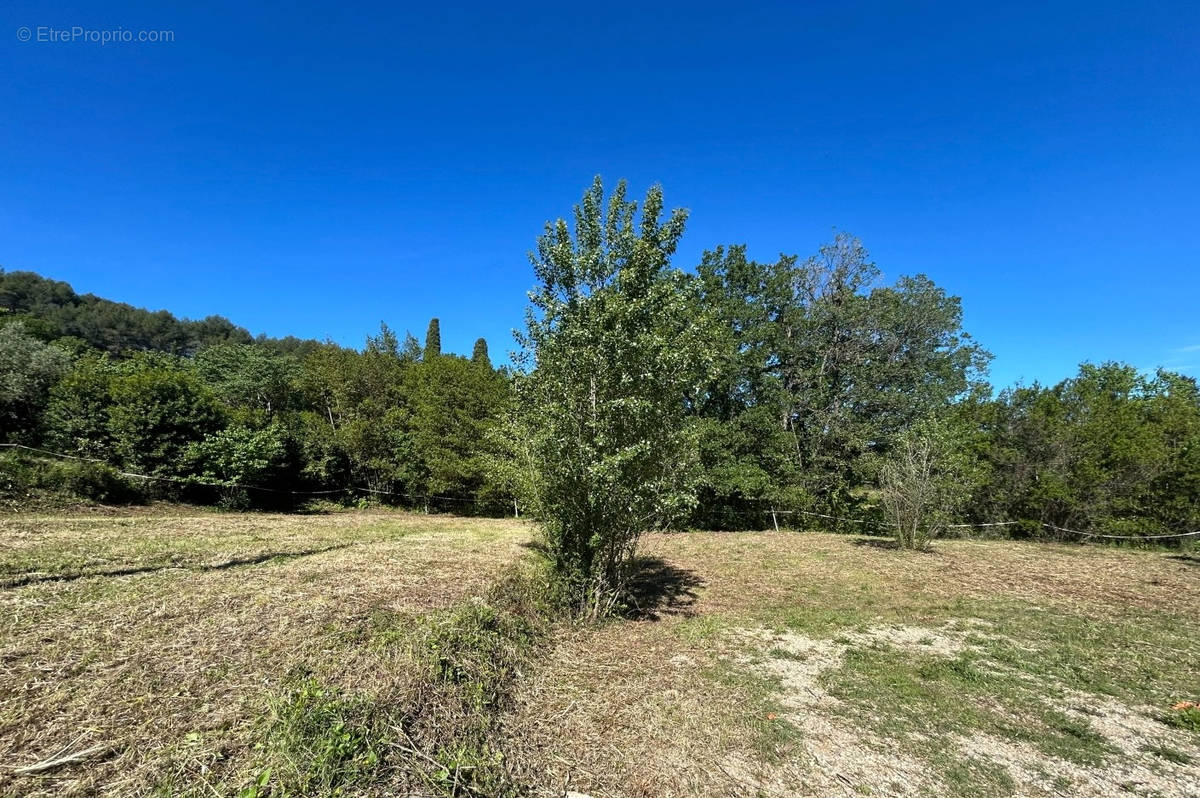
1184,715
318,740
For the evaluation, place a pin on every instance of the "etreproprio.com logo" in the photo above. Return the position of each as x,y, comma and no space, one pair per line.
79,34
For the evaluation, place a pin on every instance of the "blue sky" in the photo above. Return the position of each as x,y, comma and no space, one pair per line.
314,170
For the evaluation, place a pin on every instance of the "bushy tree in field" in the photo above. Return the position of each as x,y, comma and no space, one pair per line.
509,462
921,483
237,457
612,348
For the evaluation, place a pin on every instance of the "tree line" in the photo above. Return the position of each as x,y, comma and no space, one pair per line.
642,395
240,421
654,397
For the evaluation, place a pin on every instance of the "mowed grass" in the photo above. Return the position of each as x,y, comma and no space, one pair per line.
811,664
160,642
188,652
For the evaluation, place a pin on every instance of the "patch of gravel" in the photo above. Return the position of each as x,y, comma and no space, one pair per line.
1130,730
845,759
838,758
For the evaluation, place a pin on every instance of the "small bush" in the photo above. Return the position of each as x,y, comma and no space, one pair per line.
96,482
1185,715
24,479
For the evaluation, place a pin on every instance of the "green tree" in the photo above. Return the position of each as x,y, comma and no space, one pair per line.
745,451
158,409
453,406
251,379
861,362
235,458
357,426
28,368
921,483
76,418
1110,450
433,339
611,350
480,353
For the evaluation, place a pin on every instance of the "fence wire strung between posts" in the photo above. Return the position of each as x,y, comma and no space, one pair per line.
218,484
773,512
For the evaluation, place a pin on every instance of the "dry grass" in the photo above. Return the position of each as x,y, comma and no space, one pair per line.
753,663
157,639
699,700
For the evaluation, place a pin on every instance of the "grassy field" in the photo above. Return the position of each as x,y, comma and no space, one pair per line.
192,653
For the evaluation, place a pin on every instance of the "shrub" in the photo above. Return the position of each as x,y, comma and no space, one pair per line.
96,482
23,478
921,485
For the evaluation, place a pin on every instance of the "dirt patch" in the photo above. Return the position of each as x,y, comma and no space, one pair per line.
839,752
836,755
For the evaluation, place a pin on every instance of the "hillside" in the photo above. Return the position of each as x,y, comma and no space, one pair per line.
51,309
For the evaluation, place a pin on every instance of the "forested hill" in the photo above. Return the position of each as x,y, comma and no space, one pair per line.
50,310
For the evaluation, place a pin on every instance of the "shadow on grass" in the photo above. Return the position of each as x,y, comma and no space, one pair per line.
889,544
536,545
21,580
1186,559
658,588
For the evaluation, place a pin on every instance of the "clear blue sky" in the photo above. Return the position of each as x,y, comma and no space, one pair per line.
314,169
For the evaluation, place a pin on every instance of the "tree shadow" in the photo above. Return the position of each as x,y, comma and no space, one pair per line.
656,588
1186,559
889,544
536,545
20,580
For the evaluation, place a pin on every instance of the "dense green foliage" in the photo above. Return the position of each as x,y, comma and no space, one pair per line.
820,369
51,310
612,349
647,396
244,424
1111,450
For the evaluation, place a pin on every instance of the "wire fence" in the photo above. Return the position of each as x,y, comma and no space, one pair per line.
187,481
773,512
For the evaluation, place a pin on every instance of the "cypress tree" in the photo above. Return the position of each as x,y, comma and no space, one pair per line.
433,340
480,355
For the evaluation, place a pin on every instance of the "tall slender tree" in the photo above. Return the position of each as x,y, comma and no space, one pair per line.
433,339
480,353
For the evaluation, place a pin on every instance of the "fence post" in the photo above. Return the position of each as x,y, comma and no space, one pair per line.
774,520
